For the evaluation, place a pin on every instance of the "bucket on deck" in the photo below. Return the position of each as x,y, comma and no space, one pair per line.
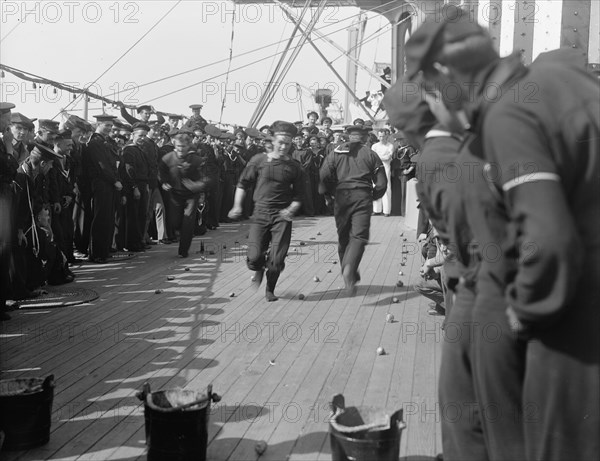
25,411
364,433
177,423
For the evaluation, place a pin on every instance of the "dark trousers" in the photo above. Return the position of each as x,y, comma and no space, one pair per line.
83,216
166,196
308,205
268,227
353,208
137,213
184,209
462,431
561,401
63,229
103,223
499,366
7,225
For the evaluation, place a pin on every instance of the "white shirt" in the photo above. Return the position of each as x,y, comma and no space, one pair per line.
385,151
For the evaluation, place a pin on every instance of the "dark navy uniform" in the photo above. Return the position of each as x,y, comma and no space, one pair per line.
135,174
277,183
8,171
546,174
354,169
184,201
305,158
102,169
438,174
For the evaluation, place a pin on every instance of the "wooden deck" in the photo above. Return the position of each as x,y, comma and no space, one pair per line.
276,365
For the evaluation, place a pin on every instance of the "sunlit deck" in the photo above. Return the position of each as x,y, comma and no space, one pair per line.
276,365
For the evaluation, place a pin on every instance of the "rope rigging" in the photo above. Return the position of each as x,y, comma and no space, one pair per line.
229,65
79,92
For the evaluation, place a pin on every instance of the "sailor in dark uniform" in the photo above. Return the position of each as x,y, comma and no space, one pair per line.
196,120
279,182
135,173
8,171
144,112
62,192
21,127
185,174
543,169
174,122
101,163
438,174
45,135
357,175
82,213
304,155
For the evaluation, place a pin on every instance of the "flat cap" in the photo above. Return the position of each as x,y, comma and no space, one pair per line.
140,126
74,121
48,125
173,132
6,106
253,132
284,128
358,121
213,131
406,106
362,129
327,119
126,127
144,107
19,118
104,118
196,106
312,112
186,130
240,130
45,152
454,24
227,135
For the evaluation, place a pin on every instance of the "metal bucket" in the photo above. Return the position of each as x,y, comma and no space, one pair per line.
25,411
177,423
364,433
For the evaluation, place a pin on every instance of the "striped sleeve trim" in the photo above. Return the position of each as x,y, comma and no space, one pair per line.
532,177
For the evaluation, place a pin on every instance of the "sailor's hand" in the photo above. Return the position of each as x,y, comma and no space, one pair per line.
21,239
166,187
513,321
118,185
286,214
235,212
136,193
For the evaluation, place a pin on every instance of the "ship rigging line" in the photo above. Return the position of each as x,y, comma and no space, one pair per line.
124,54
228,66
278,67
243,67
220,61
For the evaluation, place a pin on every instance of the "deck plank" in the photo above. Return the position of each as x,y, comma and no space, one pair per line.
194,333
